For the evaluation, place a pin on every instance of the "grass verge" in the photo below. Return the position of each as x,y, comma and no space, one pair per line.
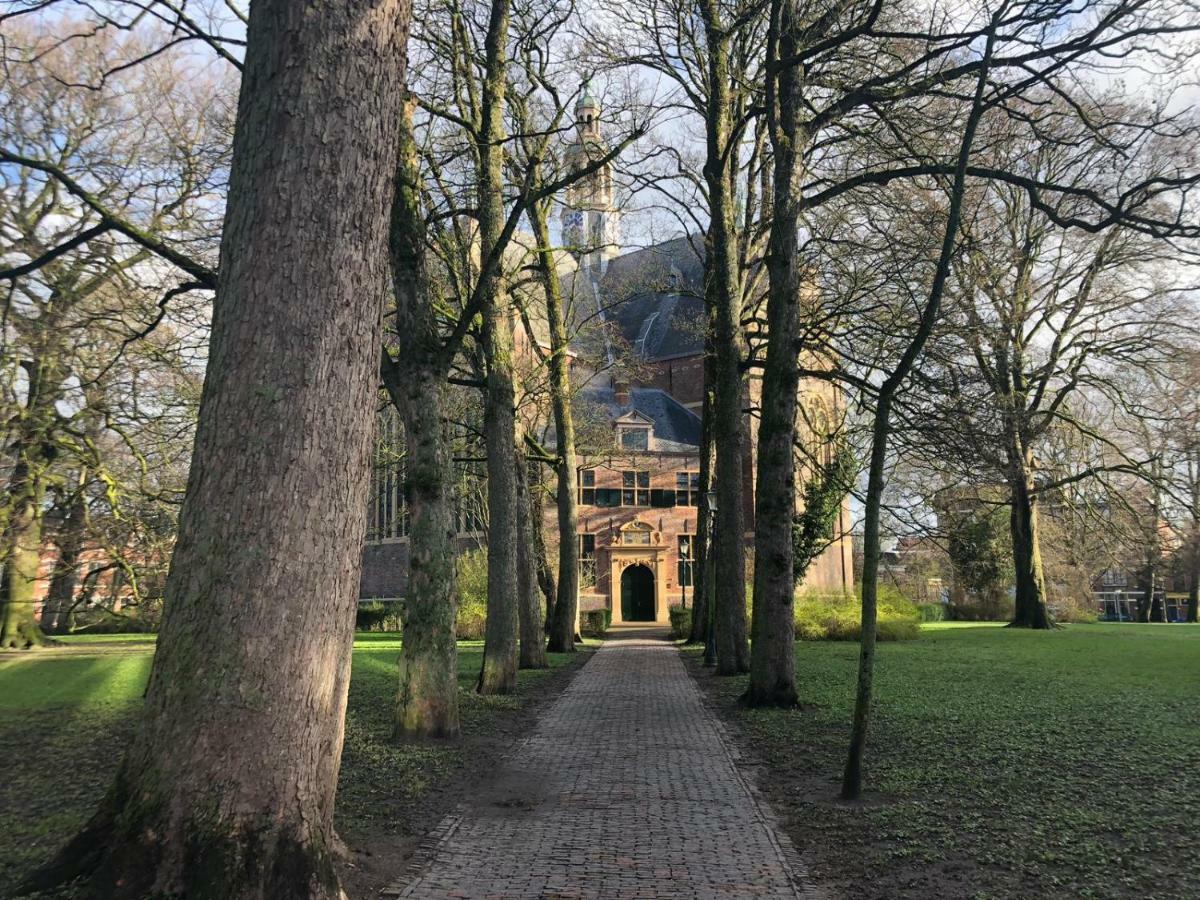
65,715
1002,763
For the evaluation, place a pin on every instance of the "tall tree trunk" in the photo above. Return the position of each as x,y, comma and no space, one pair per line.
1193,606
33,454
772,659
852,775
64,578
499,672
724,294
427,702
545,575
864,693
227,788
19,627
529,611
702,544
563,623
1030,598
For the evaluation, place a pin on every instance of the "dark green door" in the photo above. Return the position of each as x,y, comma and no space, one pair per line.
637,594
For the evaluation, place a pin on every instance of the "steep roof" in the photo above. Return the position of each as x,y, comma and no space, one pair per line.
675,426
653,298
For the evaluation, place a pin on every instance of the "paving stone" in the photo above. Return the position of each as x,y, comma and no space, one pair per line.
627,788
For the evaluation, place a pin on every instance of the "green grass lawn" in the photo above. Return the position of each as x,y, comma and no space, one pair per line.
65,715
1002,763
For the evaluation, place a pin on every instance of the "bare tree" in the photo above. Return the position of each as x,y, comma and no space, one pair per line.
1044,322
79,292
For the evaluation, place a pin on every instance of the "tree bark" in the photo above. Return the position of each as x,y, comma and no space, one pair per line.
545,575
723,293
1030,599
702,544
773,659
60,596
852,777
227,788
499,672
563,624
19,628
533,639
427,701
1193,606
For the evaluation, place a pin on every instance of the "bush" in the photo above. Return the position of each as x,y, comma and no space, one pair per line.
838,617
472,595
1068,609
681,622
378,615
102,621
981,612
932,612
596,622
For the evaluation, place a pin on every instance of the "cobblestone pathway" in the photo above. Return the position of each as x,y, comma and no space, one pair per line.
626,789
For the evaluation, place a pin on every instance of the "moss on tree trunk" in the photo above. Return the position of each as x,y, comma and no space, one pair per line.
427,700
564,621
19,628
723,294
1029,609
499,672
227,787
773,654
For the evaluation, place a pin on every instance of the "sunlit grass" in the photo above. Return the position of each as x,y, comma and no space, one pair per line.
66,714
1001,763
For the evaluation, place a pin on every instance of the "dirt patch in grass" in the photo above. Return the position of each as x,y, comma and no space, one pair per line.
66,715
1002,764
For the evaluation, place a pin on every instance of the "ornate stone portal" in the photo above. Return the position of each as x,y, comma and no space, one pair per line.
638,544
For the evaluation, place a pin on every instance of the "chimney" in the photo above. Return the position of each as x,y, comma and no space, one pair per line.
621,391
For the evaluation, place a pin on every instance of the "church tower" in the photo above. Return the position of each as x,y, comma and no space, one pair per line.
590,222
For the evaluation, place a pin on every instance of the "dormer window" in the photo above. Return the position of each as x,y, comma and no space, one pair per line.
635,438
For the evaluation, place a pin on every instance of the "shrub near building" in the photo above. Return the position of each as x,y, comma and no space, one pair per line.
838,617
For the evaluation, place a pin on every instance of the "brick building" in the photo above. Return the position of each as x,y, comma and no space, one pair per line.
640,403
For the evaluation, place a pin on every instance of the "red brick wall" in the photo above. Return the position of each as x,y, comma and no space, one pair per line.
682,378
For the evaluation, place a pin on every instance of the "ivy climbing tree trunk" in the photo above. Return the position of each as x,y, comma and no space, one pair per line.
427,702
773,653
227,787
499,672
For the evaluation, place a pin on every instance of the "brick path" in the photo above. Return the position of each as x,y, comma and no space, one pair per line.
626,789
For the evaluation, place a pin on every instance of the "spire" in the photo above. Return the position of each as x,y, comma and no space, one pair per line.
586,99
587,113
590,223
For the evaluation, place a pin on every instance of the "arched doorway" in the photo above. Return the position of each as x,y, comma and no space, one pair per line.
637,594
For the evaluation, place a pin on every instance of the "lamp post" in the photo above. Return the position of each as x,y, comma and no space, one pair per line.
685,554
710,592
